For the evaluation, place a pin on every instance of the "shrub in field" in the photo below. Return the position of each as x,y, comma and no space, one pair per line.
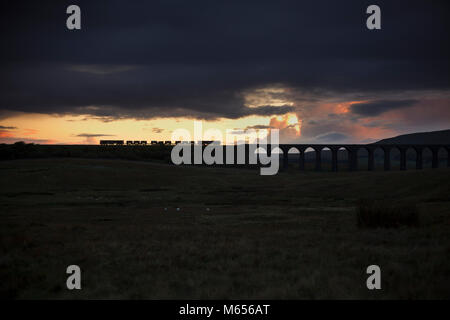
383,214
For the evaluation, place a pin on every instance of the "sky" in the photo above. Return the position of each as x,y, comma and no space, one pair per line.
138,70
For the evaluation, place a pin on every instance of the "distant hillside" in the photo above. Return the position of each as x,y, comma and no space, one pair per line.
433,137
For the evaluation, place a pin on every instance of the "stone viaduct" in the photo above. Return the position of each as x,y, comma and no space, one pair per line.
352,150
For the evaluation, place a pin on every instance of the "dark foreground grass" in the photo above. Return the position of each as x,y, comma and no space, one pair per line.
383,214
236,235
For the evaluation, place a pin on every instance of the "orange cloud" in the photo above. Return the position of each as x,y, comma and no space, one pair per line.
30,132
288,124
6,134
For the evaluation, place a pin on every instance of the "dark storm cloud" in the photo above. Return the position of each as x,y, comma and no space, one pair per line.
375,108
268,110
143,59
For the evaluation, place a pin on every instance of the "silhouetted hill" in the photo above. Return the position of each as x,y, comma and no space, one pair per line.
433,137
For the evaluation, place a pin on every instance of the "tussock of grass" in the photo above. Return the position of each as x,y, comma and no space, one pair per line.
385,214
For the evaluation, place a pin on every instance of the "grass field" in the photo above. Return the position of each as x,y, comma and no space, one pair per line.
237,234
